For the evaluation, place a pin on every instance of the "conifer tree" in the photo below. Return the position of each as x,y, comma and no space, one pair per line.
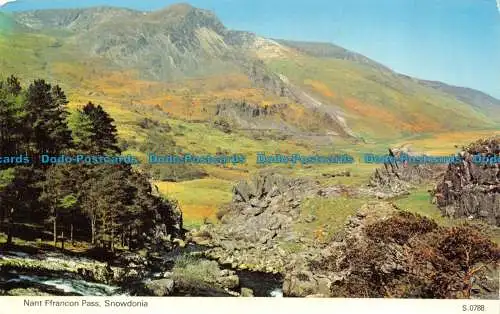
11,115
82,131
56,187
104,133
46,115
15,184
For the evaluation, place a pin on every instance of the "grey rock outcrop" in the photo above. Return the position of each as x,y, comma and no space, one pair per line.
471,189
396,178
246,292
249,110
160,287
260,217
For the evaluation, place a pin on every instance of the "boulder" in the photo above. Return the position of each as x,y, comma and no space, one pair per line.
228,281
317,296
179,242
98,273
396,178
323,285
160,287
246,292
124,275
27,292
243,191
300,284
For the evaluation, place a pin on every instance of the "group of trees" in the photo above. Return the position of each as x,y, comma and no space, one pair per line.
103,204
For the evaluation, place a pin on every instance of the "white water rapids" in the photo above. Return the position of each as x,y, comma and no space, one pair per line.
68,285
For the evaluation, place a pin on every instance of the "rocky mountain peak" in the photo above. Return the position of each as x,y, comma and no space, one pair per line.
188,17
182,7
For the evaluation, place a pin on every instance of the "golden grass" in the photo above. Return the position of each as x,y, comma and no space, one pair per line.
331,215
199,199
444,143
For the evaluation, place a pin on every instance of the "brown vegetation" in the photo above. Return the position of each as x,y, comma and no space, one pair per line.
410,256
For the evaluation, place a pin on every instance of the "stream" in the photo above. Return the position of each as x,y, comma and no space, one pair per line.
262,284
67,284
63,285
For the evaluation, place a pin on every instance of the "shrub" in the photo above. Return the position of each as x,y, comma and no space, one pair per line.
149,124
177,174
223,125
400,227
195,270
466,246
409,256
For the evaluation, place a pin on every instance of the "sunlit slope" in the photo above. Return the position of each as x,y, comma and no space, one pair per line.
378,103
161,76
130,99
85,77
185,61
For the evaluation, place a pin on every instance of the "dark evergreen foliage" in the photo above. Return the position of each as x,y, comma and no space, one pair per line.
104,134
102,204
47,131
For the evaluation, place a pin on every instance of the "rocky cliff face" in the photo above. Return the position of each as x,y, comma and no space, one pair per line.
250,110
247,116
177,42
78,20
470,189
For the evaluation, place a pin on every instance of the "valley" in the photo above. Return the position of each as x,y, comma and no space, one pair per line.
178,81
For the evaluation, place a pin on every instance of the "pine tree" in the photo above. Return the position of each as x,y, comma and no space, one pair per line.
7,176
11,116
12,85
89,204
69,204
46,114
104,133
82,131
109,196
141,213
56,188
15,188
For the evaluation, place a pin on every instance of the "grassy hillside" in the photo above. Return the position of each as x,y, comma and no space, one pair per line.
372,99
144,66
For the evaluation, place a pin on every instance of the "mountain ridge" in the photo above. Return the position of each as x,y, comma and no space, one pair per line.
474,97
181,42
314,48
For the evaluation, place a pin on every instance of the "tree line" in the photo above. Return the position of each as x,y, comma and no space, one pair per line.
102,204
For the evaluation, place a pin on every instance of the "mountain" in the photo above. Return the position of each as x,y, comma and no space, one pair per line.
8,24
328,50
165,44
482,101
183,58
